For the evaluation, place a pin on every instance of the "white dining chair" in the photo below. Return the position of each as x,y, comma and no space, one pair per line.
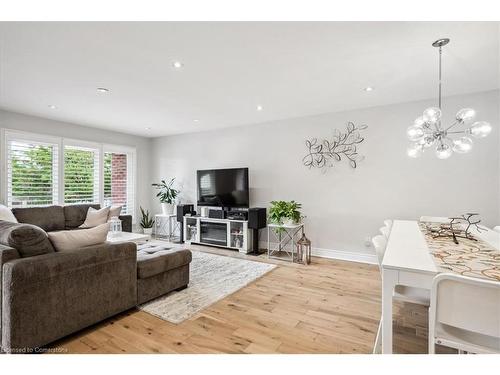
464,314
497,228
388,223
379,243
386,231
435,219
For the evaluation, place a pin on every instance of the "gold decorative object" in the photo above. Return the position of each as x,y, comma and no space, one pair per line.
304,250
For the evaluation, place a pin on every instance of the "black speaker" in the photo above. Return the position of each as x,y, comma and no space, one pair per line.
183,209
257,218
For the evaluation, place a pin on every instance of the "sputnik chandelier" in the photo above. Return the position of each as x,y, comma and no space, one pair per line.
428,131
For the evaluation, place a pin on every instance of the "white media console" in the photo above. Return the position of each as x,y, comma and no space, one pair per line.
230,234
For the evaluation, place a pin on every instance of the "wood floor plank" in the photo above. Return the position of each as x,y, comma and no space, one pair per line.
329,306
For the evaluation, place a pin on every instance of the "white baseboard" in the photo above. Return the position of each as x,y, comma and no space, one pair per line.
350,256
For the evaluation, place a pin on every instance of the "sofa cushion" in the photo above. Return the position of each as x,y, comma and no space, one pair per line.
95,217
68,240
114,211
154,260
75,214
6,214
29,240
48,218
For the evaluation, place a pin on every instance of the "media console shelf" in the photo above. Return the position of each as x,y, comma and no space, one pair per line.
230,234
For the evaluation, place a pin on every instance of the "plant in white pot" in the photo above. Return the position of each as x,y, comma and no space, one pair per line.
166,194
285,213
147,221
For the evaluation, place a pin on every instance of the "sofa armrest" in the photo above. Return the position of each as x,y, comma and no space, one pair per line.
6,254
126,222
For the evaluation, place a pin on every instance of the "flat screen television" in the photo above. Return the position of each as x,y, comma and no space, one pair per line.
223,187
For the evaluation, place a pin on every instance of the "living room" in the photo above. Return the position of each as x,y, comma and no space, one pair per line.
314,187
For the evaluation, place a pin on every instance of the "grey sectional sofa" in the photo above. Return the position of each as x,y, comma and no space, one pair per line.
46,295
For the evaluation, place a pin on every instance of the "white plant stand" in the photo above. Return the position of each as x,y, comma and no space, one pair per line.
286,241
166,226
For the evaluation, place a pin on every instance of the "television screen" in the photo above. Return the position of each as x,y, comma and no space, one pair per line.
223,187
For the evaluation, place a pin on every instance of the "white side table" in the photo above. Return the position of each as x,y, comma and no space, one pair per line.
166,226
286,237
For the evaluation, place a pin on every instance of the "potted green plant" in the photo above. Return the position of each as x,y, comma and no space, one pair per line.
166,194
147,221
285,213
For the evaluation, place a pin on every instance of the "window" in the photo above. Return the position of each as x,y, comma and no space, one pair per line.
118,179
81,174
41,170
32,172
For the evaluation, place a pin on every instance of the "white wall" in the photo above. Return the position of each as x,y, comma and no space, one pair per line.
345,206
17,121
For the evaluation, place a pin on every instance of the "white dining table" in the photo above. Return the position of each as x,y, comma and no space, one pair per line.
408,261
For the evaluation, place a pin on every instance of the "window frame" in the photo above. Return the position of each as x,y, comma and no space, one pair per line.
7,134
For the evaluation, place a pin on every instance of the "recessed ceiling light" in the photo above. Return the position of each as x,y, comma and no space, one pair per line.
148,128
52,106
196,120
102,89
259,108
368,89
177,64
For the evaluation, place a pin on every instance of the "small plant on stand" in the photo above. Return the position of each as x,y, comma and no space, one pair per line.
167,195
284,213
147,221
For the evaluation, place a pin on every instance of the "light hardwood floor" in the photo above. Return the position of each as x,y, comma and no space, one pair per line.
326,307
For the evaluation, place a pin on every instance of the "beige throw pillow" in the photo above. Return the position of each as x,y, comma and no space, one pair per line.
6,214
95,217
67,240
114,211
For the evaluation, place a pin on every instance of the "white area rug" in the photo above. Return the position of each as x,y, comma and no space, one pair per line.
212,278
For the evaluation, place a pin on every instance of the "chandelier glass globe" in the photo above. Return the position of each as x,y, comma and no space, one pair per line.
432,115
465,114
462,145
443,151
427,141
479,129
420,122
415,133
428,130
414,151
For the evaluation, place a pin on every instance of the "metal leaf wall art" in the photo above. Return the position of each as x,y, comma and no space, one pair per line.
342,146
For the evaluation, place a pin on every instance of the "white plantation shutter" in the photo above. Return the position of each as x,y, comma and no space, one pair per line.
119,178
32,168
81,174
39,170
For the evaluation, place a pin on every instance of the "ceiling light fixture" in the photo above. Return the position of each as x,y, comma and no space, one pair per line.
148,128
52,106
368,89
196,120
102,89
177,64
259,108
427,130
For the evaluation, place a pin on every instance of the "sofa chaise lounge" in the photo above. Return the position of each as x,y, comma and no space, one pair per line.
46,296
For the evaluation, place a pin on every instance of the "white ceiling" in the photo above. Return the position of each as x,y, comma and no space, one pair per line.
292,69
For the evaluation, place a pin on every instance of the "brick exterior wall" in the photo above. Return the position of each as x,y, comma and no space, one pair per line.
119,178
